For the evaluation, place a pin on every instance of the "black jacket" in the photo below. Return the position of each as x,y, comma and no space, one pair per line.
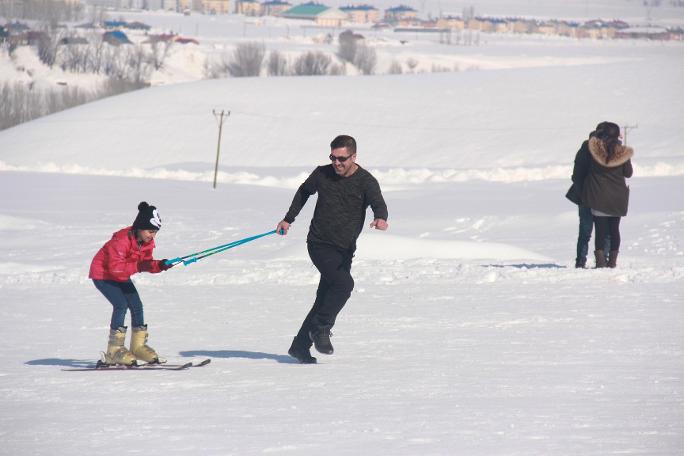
579,173
341,206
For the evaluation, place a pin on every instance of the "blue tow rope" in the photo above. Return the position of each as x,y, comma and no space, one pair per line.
194,257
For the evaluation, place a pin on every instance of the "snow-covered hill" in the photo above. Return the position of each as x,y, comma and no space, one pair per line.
473,124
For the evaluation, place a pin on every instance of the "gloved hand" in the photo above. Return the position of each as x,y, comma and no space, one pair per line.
145,266
164,266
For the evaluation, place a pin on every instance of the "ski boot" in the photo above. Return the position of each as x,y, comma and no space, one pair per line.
140,349
116,352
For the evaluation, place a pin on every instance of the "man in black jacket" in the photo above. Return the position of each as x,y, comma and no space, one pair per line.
586,220
345,190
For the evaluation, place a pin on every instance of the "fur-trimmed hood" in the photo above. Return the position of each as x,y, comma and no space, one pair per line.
598,150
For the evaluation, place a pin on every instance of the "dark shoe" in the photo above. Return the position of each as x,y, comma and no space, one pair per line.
612,260
321,340
600,259
580,263
301,354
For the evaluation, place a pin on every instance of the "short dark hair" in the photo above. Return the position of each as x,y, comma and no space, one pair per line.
344,141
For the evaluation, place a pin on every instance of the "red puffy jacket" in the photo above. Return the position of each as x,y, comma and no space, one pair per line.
122,256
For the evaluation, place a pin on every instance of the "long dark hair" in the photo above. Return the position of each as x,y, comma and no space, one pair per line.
609,134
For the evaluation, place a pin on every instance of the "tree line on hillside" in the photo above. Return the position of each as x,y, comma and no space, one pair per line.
22,103
250,59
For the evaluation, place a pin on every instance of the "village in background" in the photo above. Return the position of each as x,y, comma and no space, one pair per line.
56,54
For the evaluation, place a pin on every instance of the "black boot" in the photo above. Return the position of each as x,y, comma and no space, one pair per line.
321,339
301,353
580,262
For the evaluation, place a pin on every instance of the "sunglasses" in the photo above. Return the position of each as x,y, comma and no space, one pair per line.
339,158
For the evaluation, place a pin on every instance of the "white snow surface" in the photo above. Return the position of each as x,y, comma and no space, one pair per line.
469,332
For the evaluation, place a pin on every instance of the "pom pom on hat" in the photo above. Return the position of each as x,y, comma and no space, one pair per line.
147,218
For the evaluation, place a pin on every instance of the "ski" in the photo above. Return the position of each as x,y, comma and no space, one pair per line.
140,367
198,364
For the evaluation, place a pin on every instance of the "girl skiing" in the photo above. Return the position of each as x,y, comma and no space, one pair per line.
128,251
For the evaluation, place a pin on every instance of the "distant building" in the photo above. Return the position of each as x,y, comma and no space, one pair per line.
116,38
331,18
569,29
318,13
649,33
215,6
14,28
361,14
161,38
73,40
274,7
400,13
249,8
189,5
451,22
170,5
182,40
126,25
307,11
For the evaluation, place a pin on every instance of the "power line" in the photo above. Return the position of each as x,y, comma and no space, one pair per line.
220,116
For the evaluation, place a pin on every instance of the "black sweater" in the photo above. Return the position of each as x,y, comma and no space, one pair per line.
341,207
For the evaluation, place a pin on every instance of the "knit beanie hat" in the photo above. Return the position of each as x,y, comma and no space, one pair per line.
148,218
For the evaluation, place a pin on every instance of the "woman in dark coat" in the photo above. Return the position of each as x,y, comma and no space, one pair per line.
605,189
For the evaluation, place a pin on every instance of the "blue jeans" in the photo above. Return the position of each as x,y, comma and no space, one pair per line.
586,224
122,296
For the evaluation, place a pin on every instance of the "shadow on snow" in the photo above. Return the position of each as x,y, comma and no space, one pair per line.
285,359
65,362
61,362
526,266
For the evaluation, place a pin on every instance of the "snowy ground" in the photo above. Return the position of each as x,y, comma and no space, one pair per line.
468,333
509,353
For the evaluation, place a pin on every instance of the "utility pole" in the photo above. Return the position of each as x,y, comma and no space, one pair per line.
220,117
627,127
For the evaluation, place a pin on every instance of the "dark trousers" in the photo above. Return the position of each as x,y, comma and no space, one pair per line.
334,289
607,226
586,223
122,296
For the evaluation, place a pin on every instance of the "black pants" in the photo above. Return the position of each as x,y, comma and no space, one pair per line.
334,289
607,226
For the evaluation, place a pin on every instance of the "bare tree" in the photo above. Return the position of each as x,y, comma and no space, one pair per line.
395,68
137,63
346,50
366,59
247,59
312,64
277,64
159,50
337,69
23,102
47,44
